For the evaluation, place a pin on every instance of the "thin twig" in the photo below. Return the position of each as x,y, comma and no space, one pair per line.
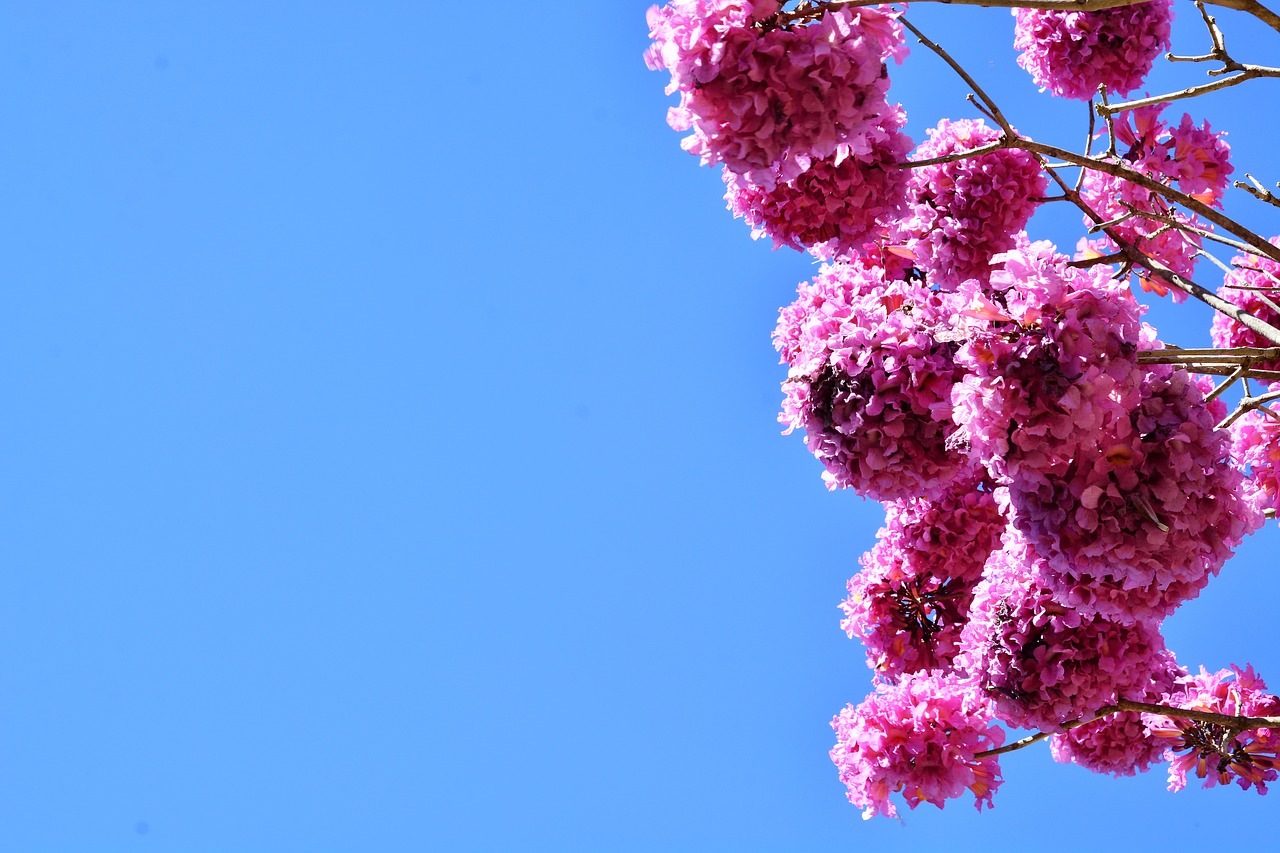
1258,191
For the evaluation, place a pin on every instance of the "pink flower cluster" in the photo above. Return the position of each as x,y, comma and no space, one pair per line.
1143,522
768,101
1041,662
1255,446
921,738
1119,744
1219,754
1254,285
911,599
1073,53
961,214
869,383
835,208
1190,157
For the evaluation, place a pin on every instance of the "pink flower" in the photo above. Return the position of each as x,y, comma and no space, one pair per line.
1119,744
919,738
1050,363
1142,521
960,214
1255,446
1073,53
1193,158
911,599
1216,753
767,101
870,384
835,208
1043,663
1254,285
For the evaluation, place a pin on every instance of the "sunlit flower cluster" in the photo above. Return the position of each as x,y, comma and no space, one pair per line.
769,101
1213,751
919,738
870,384
911,599
1041,662
962,213
1073,53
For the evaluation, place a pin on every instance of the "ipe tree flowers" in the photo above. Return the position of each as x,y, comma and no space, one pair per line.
1057,479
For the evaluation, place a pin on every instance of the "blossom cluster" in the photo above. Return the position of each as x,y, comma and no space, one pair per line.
1253,284
1051,493
1073,54
960,214
1189,157
1217,753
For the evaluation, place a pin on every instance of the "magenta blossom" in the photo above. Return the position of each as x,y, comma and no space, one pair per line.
1255,446
920,738
961,214
1189,157
1141,522
1119,744
1043,663
767,101
1073,53
870,383
1254,285
1217,753
911,599
835,208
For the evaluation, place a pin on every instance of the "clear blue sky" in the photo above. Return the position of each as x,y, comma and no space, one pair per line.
390,457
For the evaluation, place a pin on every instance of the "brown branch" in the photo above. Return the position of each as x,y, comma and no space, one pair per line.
1249,404
1133,176
813,10
1229,721
1248,72
1258,191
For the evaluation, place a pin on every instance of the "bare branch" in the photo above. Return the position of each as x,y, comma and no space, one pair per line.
811,10
1258,191
1249,72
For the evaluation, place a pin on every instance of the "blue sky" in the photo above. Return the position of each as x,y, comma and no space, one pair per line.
391,459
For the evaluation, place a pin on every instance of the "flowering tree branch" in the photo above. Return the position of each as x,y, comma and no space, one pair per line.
807,11
1232,723
1239,72
1012,139
1033,379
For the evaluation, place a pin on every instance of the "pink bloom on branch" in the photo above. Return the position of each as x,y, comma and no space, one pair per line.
1191,157
1073,53
1119,744
1140,524
911,599
870,383
1041,662
1254,285
834,209
1255,446
961,214
1216,753
768,101
919,738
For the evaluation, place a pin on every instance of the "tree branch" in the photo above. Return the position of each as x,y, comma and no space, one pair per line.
1228,721
811,10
